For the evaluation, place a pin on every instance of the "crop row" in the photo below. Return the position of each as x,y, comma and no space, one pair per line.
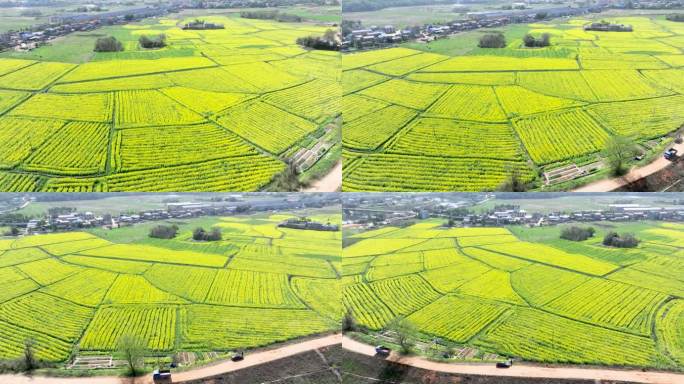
557,136
444,137
143,148
257,289
390,172
610,303
456,318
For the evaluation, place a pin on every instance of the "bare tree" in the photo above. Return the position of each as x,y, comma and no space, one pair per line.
348,322
29,356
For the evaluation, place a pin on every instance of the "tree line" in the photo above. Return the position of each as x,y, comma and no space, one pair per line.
271,15
327,42
112,44
374,5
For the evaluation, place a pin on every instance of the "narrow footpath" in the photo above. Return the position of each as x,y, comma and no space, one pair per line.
608,185
328,183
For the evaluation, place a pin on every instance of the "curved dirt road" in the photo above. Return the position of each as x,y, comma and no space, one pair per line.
194,374
635,174
522,370
330,182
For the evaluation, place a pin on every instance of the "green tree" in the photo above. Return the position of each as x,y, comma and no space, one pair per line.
287,180
131,349
29,355
348,322
492,40
108,44
514,182
404,332
619,149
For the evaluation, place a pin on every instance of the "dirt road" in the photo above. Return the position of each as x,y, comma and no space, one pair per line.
330,182
195,374
519,370
608,185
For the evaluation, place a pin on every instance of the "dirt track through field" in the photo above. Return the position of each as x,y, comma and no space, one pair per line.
328,183
250,360
519,370
635,174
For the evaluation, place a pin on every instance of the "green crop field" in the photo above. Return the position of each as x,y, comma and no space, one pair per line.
81,291
523,293
214,110
470,118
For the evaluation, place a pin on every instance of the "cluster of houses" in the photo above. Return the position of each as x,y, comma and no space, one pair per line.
202,25
180,210
308,224
605,26
615,212
379,37
401,211
650,4
61,25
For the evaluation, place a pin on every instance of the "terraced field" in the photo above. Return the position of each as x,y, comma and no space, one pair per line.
232,105
176,295
554,301
467,123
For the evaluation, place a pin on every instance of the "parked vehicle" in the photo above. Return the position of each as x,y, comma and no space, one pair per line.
161,376
238,356
381,350
505,364
670,154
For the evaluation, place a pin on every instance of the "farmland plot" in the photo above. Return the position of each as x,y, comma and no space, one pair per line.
244,173
21,136
539,336
521,299
141,148
121,68
392,172
179,295
490,78
205,102
9,99
609,303
355,106
621,85
457,138
557,136
78,148
363,59
34,77
155,325
243,82
405,65
468,103
95,107
406,93
371,130
646,119
227,328
566,84
253,121
11,65
315,100
353,81
565,101
456,318
257,289
150,108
